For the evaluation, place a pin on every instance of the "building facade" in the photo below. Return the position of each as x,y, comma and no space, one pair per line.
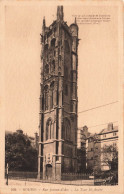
109,145
82,136
101,148
93,150
58,98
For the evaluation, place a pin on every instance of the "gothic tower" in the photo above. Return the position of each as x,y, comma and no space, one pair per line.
58,99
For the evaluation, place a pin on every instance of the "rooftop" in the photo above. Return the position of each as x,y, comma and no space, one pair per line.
109,130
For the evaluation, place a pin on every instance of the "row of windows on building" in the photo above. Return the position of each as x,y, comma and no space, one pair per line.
50,43
50,129
50,101
54,42
50,95
114,144
51,46
52,98
104,136
114,134
104,146
98,154
50,68
92,149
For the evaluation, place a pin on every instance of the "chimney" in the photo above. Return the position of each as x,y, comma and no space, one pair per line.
110,126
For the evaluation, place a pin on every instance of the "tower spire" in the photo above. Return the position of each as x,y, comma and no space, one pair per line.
60,13
43,26
44,22
75,20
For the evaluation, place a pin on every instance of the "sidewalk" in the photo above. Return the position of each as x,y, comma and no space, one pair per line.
37,182
21,187
62,182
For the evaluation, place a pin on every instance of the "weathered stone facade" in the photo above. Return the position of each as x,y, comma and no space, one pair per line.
58,99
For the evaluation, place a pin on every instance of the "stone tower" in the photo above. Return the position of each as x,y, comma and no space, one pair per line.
58,99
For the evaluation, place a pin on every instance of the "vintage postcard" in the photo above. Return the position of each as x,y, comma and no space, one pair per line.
61,104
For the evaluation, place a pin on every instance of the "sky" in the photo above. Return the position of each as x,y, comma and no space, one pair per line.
98,66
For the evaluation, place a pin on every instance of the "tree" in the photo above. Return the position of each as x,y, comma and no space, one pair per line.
107,156
19,153
110,156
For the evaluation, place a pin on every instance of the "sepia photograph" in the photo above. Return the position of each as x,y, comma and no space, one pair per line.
61,97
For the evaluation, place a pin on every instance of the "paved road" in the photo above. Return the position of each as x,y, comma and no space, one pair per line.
39,183
21,186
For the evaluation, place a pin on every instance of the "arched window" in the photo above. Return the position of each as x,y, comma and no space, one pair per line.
67,48
53,66
65,72
49,129
51,95
54,53
46,47
46,98
53,42
46,68
65,88
67,129
66,78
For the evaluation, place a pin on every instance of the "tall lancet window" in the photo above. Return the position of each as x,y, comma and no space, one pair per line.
53,66
46,98
65,82
53,41
46,68
49,129
67,129
51,95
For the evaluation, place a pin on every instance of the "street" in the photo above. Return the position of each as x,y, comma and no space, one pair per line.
21,186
